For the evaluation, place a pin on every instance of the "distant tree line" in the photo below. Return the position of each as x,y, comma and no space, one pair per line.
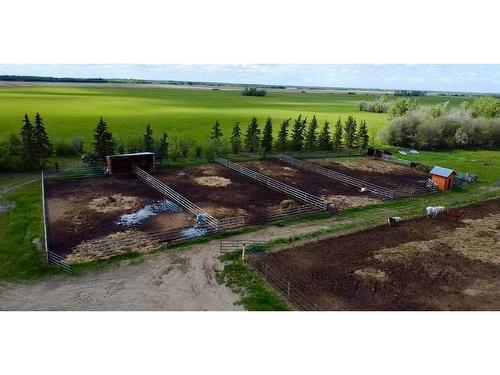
410,93
253,91
473,124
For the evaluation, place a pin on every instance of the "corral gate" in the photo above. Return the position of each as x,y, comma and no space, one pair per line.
274,184
176,197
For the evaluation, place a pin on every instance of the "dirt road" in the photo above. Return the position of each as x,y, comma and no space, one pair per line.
183,279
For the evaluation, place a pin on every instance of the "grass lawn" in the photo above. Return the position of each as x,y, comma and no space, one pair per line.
73,111
19,258
485,164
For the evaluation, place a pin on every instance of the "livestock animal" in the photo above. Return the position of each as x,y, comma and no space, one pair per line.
457,214
394,221
434,211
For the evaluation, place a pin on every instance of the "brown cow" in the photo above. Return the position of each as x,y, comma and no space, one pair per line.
457,214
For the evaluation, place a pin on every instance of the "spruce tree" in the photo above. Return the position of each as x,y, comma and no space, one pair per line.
267,137
325,140
41,142
149,143
363,137
252,137
236,139
297,141
311,135
103,144
216,132
27,146
338,134
350,132
282,141
162,151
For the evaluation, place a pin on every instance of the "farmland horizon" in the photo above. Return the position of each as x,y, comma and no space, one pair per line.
449,78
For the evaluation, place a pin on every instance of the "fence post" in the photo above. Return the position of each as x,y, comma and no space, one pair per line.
288,290
243,252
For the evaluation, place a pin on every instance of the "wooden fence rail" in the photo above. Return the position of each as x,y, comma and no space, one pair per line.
274,184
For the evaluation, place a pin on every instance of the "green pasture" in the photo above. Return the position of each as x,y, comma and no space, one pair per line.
73,111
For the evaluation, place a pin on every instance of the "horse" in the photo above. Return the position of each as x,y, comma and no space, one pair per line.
394,221
434,211
457,214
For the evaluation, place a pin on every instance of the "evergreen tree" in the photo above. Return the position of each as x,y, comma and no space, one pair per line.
338,134
41,142
325,140
149,142
363,138
27,145
297,142
236,139
350,132
252,137
103,144
162,151
216,132
311,135
267,137
282,141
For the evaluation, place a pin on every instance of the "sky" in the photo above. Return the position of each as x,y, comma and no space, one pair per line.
444,77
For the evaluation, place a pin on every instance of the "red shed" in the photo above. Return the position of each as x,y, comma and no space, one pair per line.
443,177
125,163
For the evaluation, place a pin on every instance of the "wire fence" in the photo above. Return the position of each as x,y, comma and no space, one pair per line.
278,281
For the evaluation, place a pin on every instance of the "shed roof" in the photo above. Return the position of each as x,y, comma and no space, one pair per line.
443,172
132,154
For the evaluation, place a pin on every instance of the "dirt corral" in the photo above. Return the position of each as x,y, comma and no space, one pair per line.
376,171
225,193
339,195
423,264
105,208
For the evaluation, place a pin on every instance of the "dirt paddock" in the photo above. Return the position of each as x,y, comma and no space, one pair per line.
225,193
423,264
339,195
376,171
96,208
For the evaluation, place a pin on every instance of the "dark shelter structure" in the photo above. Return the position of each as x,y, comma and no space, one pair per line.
125,163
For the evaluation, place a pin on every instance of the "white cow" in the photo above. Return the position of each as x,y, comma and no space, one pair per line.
394,221
434,211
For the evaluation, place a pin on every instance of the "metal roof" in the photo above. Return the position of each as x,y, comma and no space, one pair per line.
443,172
132,154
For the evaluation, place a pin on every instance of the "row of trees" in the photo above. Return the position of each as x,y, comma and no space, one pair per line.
379,105
29,150
253,91
475,124
298,136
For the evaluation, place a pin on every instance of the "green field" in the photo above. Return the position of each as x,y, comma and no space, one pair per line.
73,111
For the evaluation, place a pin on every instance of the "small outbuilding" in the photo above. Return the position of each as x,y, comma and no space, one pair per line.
125,163
443,177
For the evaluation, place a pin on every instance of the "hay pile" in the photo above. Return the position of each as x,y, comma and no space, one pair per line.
371,274
478,239
114,203
348,201
113,244
214,181
221,212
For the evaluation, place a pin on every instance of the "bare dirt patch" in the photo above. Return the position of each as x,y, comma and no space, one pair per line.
241,197
423,264
215,181
113,203
339,195
90,209
376,171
